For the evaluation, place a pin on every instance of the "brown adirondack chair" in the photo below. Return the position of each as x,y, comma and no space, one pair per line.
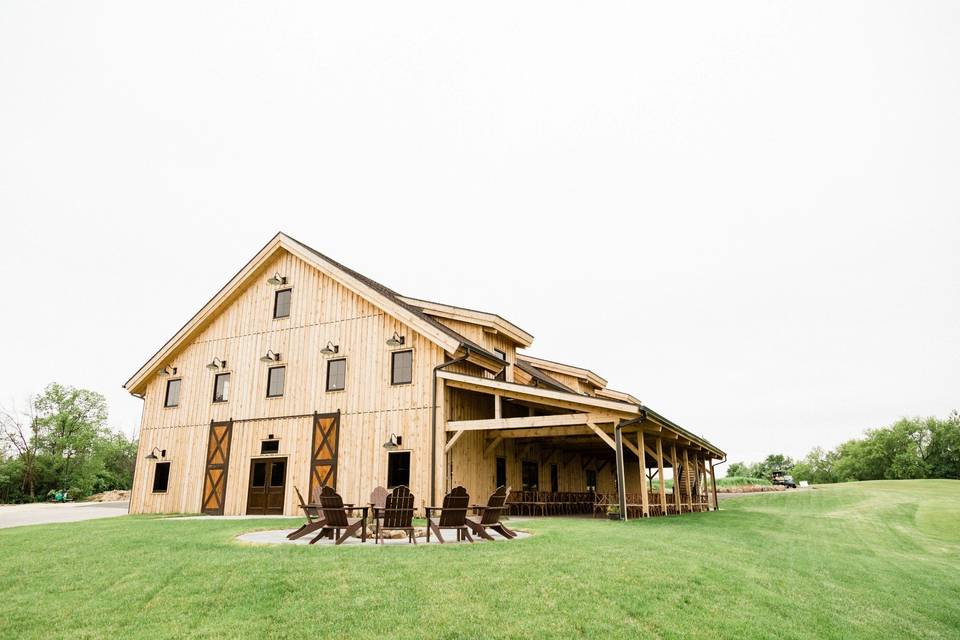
378,499
314,519
489,517
335,515
395,515
453,515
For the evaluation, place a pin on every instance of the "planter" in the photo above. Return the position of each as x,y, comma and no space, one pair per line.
613,516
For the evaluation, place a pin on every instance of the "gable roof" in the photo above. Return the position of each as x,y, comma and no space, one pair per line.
570,370
540,377
372,291
485,319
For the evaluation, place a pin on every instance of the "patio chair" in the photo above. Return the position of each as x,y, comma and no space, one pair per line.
453,515
600,504
489,517
335,514
314,519
395,515
378,499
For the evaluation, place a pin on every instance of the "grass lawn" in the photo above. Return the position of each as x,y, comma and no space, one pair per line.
864,560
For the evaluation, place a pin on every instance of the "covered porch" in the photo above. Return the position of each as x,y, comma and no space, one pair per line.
566,453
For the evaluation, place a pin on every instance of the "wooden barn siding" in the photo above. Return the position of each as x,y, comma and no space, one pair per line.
321,310
486,340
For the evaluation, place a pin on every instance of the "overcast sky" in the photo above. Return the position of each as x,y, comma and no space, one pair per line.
746,214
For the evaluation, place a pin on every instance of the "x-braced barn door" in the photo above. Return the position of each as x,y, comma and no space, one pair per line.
215,477
323,454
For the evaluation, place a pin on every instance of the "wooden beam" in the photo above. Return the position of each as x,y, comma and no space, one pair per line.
663,489
452,441
644,498
567,462
544,432
713,479
603,435
676,484
527,422
514,390
686,479
497,407
493,445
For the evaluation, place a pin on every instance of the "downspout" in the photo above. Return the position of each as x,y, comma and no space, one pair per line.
433,425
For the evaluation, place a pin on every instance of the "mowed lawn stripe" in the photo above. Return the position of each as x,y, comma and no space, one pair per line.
859,560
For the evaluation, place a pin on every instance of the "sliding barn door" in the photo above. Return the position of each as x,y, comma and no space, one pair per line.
323,456
215,477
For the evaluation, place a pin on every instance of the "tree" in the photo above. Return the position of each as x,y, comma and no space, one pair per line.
20,431
70,421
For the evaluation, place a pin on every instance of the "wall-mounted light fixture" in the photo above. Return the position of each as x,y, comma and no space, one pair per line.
330,349
396,340
153,454
277,280
167,371
394,442
217,363
270,357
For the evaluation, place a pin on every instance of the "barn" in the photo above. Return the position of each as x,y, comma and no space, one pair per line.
301,373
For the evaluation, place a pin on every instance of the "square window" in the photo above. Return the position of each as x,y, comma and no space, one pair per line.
531,476
281,303
401,370
398,469
336,374
161,477
221,387
172,398
269,446
275,380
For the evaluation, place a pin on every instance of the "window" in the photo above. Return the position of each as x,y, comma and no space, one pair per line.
278,473
554,478
221,386
398,469
401,370
275,378
591,480
281,303
269,446
503,374
172,399
531,476
336,374
161,476
501,472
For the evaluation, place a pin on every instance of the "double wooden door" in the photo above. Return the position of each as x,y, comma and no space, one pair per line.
268,478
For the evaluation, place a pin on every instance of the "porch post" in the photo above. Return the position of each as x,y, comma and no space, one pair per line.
713,480
621,473
663,489
676,484
644,498
686,478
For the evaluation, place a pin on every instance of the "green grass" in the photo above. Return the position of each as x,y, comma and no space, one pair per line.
865,560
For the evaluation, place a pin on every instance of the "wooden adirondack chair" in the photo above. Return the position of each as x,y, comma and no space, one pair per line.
490,516
378,499
395,515
453,515
314,519
335,515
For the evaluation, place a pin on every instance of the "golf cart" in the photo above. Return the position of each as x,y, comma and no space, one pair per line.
782,479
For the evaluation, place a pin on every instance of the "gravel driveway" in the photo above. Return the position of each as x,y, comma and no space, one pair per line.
18,515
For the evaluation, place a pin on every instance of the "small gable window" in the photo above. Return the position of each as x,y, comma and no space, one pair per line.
161,477
221,387
275,380
281,303
336,374
172,397
401,370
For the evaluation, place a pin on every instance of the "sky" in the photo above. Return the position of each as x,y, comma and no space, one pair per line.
745,214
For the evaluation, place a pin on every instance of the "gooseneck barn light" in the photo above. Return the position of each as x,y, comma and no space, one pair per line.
153,454
277,279
330,349
396,340
394,441
270,356
217,363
